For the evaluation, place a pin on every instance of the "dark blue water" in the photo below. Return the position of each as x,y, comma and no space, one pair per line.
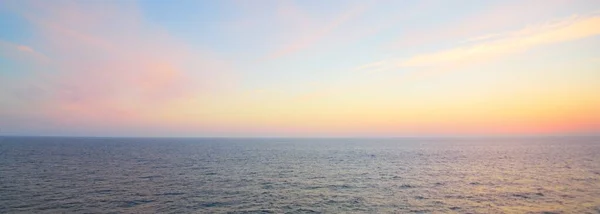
504,175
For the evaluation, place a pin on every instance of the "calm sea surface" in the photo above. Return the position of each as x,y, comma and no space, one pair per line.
129,175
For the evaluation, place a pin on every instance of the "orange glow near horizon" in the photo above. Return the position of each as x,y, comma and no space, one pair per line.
113,68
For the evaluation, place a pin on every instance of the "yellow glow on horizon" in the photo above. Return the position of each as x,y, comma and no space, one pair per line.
517,111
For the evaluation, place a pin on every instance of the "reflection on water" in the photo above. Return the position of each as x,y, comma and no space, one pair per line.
300,175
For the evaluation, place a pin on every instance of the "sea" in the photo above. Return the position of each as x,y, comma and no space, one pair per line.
300,175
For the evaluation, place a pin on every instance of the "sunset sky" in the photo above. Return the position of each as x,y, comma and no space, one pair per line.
299,68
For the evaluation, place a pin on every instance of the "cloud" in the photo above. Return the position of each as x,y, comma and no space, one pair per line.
378,66
314,31
371,65
351,25
494,17
492,46
569,29
22,52
25,48
106,64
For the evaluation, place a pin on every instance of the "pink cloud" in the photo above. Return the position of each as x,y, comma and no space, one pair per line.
21,52
313,31
568,29
309,32
506,14
492,47
25,48
109,66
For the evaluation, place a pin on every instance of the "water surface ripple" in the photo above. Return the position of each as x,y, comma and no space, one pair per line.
130,175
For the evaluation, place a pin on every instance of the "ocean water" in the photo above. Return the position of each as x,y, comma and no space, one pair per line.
162,175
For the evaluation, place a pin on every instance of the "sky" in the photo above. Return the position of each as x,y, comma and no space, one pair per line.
307,68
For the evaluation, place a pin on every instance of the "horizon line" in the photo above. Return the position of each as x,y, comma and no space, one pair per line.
314,137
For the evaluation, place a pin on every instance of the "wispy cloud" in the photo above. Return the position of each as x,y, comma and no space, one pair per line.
19,51
316,30
569,29
108,64
377,66
489,47
496,16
